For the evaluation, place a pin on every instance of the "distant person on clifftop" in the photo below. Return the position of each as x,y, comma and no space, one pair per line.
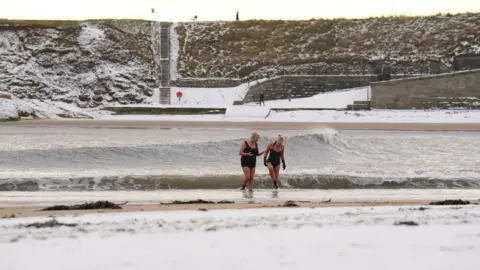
262,97
249,152
238,19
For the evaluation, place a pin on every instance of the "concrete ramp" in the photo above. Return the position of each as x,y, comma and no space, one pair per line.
247,111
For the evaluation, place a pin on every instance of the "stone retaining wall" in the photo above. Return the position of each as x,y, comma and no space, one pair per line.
450,90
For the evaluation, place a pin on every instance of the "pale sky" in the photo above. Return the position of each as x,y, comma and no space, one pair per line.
221,10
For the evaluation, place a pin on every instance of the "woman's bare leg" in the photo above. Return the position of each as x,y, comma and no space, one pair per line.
246,176
252,175
276,171
271,171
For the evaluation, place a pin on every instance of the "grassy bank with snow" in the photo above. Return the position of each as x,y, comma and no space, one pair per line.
326,46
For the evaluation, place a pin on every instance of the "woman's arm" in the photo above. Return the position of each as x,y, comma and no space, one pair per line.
267,150
242,148
283,158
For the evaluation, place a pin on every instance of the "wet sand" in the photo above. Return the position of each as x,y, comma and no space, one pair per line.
33,211
244,124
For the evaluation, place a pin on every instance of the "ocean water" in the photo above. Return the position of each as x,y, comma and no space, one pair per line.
104,159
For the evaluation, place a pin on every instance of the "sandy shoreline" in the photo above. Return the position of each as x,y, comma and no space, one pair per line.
33,211
244,124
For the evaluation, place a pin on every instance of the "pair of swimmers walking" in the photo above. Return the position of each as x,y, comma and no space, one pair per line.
273,154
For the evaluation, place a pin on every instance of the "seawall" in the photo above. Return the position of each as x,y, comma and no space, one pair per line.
443,91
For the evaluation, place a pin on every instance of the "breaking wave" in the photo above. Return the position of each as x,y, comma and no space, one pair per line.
226,182
319,159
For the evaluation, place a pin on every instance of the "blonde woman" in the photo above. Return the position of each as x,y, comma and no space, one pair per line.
275,152
249,152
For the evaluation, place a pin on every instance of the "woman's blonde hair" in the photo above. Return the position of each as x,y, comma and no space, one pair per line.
280,139
254,135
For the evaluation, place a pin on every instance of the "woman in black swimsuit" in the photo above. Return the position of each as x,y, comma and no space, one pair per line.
275,152
249,153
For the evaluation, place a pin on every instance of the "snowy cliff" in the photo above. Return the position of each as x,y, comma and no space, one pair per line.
84,63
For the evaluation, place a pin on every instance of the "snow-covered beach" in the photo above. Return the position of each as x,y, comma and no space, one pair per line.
383,237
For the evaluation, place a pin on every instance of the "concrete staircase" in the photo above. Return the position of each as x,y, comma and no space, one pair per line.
165,62
156,49
359,106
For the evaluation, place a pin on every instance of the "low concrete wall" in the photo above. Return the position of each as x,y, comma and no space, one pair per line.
466,62
207,83
164,110
459,89
5,95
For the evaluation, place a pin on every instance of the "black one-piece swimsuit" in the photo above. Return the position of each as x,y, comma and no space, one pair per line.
274,156
249,161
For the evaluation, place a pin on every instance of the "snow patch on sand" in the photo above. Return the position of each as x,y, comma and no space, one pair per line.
207,96
210,96
379,116
330,100
245,111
